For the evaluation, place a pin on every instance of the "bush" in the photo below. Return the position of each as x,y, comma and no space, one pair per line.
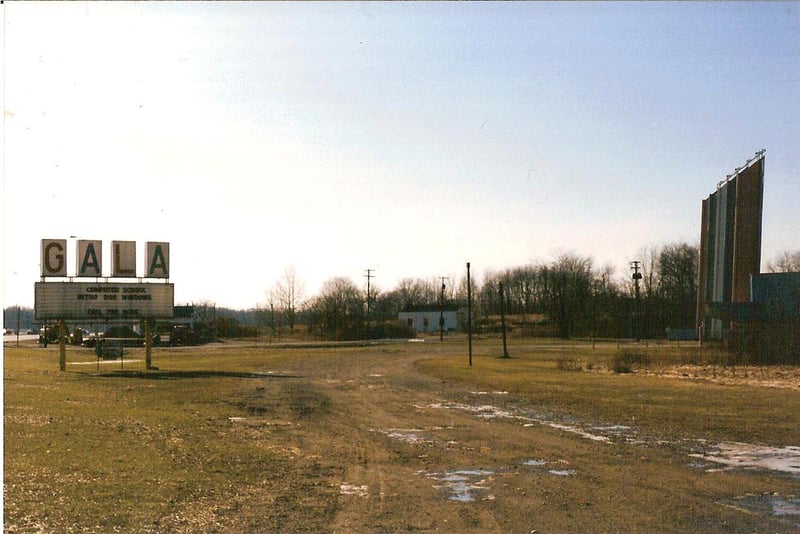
626,359
566,364
391,330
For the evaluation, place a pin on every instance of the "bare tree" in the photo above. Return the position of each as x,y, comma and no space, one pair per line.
274,313
786,262
677,284
409,293
339,309
287,295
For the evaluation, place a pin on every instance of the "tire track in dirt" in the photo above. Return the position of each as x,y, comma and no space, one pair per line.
366,446
396,449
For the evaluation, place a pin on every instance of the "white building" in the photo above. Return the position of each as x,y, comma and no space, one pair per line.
427,320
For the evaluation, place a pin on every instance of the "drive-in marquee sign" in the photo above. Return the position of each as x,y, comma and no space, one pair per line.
103,300
90,259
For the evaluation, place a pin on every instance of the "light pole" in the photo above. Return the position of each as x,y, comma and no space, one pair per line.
441,311
469,314
636,277
503,320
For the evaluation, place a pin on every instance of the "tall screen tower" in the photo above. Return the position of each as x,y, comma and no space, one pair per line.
730,246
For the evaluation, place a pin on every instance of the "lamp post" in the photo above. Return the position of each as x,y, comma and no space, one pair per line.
636,277
469,314
503,320
441,311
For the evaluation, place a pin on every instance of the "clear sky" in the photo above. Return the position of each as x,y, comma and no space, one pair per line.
408,138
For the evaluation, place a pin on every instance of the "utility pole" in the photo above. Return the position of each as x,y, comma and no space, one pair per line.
636,277
368,276
503,320
441,310
469,314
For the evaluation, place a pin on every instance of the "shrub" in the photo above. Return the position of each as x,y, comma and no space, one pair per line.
567,364
626,359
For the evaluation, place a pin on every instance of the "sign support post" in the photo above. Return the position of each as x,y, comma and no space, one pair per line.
148,343
469,314
62,345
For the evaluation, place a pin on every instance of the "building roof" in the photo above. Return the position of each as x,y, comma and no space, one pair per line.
429,308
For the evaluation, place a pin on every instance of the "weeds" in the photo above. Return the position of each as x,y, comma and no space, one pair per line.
625,360
568,364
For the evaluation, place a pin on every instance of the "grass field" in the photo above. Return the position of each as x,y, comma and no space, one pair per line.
246,437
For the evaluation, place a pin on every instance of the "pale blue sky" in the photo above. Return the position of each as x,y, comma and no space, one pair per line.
408,138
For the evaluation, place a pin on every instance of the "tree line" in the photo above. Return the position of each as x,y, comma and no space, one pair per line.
566,297
570,294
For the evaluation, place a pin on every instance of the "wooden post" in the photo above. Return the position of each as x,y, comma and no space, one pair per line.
148,343
441,313
469,314
62,345
503,320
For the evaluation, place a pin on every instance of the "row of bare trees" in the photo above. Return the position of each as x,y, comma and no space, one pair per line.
582,300
570,293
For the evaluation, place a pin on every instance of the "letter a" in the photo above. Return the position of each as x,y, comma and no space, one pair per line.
157,259
90,264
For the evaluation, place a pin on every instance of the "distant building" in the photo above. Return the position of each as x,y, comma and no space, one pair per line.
776,294
184,315
425,319
730,247
770,332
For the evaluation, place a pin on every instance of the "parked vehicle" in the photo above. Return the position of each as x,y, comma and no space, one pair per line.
49,334
90,339
124,335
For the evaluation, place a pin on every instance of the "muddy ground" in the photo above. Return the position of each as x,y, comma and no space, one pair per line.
363,441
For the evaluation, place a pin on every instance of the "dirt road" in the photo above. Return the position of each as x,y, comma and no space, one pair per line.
374,445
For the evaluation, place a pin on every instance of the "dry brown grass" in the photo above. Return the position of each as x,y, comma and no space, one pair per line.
241,437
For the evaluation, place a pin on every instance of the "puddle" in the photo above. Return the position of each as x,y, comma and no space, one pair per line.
556,472
786,509
616,430
406,435
719,457
487,411
535,463
461,485
746,456
576,430
352,489
489,392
